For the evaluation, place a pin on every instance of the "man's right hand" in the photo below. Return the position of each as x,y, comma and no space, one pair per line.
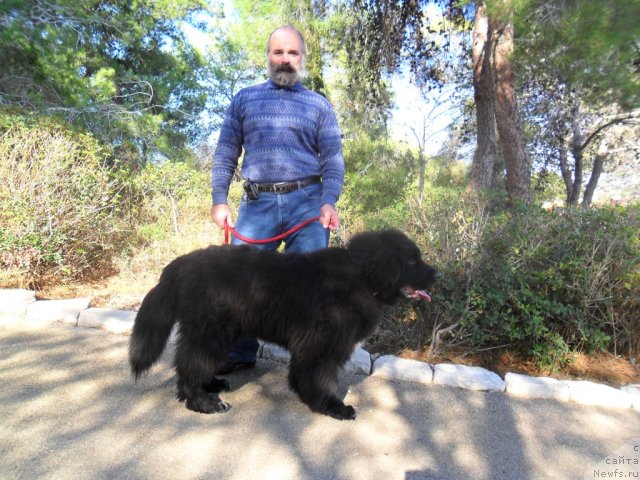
220,213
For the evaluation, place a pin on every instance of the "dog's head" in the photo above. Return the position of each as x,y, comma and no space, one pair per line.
392,265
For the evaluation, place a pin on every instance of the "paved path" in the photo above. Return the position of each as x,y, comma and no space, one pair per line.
69,409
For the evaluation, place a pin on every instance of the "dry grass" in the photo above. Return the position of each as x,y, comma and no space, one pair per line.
133,275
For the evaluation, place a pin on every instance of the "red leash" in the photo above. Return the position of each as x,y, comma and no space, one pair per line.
228,229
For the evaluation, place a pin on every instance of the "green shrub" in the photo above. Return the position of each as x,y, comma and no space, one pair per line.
171,195
61,207
377,183
540,282
173,205
69,208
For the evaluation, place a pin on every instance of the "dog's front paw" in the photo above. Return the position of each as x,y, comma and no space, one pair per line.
207,404
341,412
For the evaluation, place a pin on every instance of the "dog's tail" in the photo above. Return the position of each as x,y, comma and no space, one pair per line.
152,327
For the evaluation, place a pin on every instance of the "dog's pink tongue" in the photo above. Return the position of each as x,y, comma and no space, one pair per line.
424,295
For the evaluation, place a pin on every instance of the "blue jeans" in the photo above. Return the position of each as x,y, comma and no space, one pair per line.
270,215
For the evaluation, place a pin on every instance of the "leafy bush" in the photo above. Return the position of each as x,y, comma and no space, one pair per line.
374,193
540,282
67,208
173,204
171,195
382,178
61,208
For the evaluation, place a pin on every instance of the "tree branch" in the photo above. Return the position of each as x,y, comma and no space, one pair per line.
632,115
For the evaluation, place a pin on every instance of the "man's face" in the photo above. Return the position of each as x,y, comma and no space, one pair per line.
285,61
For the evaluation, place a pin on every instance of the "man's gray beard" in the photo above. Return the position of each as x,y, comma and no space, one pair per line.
285,79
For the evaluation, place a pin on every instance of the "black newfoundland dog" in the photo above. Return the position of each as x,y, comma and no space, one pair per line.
316,305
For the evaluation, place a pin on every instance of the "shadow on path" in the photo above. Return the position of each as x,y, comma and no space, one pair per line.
70,409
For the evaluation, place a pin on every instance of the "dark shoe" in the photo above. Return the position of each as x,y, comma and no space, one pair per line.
232,365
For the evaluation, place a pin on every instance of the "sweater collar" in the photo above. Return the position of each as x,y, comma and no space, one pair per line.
296,86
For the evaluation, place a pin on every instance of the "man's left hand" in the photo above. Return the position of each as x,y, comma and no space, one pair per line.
329,217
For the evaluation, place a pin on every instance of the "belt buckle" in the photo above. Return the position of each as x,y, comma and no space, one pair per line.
281,187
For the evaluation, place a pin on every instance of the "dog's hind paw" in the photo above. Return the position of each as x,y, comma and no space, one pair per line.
200,400
341,412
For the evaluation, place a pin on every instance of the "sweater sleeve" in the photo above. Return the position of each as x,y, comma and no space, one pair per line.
330,155
227,153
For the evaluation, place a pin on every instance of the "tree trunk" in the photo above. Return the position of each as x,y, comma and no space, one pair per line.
422,158
485,155
422,167
577,150
598,167
508,121
565,171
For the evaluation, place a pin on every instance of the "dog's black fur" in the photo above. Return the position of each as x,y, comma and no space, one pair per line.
316,305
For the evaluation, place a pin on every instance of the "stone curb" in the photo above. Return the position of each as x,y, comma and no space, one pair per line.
536,387
469,378
113,321
360,361
634,392
391,367
13,305
590,393
269,351
49,311
19,308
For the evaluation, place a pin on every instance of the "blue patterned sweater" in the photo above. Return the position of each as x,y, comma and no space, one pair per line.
287,134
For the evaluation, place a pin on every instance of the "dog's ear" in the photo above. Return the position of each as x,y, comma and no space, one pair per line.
386,271
378,261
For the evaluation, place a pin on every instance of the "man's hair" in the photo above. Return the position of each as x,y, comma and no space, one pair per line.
291,28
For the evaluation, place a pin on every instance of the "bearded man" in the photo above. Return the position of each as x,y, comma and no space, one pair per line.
292,166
